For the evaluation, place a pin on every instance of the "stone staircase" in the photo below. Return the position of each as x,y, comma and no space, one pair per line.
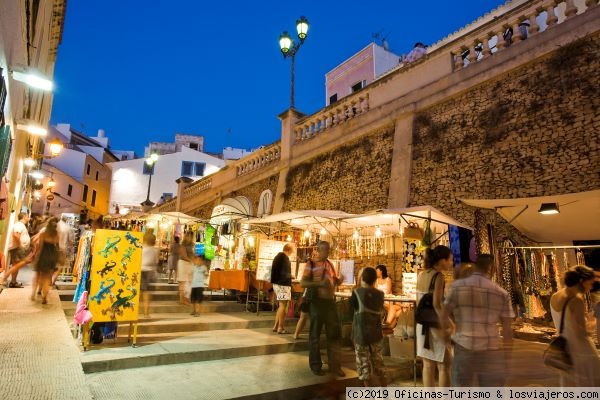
223,335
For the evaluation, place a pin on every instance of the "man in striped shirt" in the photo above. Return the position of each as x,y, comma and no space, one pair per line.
320,277
477,305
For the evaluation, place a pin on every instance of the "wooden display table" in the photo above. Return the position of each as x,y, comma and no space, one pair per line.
231,279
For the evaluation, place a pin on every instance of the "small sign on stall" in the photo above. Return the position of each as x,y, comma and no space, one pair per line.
409,284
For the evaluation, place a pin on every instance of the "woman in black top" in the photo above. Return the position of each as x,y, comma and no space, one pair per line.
281,278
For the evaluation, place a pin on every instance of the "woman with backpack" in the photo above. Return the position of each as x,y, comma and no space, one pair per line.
431,344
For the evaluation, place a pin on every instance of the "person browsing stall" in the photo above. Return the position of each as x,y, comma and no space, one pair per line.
281,278
321,279
367,335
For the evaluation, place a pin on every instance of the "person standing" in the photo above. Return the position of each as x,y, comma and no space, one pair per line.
199,283
149,269
367,334
65,242
184,267
46,259
281,278
173,259
19,251
431,344
477,305
320,278
570,301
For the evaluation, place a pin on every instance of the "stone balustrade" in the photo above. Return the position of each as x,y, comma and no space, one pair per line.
335,114
170,205
512,27
259,159
197,187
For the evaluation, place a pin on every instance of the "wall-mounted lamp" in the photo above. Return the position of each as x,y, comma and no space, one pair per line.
56,147
31,77
549,209
37,174
32,128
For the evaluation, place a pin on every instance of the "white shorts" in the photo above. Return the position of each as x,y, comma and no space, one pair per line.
283,293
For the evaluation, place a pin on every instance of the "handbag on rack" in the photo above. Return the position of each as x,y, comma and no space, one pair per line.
557,354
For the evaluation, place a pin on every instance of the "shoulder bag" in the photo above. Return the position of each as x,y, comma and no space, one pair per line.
425,313
557,354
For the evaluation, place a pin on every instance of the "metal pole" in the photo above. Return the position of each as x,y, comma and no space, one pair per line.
292,78
149,183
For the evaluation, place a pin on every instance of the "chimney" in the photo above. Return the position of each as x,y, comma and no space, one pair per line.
101,133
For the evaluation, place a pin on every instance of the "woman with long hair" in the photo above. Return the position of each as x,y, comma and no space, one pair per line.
46,258
431,345
570,301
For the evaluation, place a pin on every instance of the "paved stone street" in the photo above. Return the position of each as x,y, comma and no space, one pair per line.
38,356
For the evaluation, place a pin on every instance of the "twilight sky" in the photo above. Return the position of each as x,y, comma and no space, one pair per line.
145,70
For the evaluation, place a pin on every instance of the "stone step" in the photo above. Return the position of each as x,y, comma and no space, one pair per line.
176,322
272,376
166,307
187,347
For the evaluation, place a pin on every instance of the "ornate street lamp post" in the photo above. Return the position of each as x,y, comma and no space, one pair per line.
150,162
289,48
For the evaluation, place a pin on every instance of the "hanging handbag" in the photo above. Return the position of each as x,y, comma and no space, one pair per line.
557,354
412,231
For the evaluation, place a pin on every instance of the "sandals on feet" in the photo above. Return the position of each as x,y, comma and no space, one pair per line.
282,332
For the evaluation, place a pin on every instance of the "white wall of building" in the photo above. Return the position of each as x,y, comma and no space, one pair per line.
129,184
71,162
384,60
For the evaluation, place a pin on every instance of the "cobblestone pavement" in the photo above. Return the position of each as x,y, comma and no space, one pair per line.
38,357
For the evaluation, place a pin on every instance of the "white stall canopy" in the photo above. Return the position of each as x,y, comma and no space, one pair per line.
578,217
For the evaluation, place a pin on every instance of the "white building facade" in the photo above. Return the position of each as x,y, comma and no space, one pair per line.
129,186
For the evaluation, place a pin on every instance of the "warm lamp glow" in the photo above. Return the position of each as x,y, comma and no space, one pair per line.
32,78
29,162
307,234
288,238
549,209
36,174
323,231
55,147
51,183
378,232
32,128
356,235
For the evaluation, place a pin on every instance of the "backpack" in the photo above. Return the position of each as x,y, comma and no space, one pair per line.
425,313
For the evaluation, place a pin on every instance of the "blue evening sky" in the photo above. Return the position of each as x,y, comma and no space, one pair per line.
145,70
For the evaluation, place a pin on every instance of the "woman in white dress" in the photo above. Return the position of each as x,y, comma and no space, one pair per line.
431,345
586,361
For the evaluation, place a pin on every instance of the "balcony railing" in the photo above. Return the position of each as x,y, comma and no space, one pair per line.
506,26
259,159
335,114
514,26
197,187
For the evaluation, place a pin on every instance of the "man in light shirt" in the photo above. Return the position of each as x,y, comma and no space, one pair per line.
19,251
477,305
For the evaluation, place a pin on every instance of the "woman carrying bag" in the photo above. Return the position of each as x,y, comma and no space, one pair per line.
584,356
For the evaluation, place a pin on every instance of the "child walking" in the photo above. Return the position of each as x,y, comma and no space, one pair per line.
199,282
367,302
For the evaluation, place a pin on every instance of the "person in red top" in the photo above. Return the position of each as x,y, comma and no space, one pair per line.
320,277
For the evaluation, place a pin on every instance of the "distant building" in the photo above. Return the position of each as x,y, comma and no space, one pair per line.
123,155
358,71
130,177
82,179
193,142
230,153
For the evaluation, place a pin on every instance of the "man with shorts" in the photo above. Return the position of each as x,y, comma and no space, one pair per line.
19,252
